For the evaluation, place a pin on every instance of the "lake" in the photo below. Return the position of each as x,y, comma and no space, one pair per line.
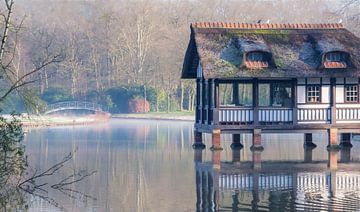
151,166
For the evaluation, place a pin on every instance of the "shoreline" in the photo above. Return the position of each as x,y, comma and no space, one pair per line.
54,121
156,118
179,116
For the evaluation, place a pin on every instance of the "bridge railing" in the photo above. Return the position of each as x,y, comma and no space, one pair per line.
74,105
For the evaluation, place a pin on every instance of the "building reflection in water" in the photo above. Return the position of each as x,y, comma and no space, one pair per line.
277,185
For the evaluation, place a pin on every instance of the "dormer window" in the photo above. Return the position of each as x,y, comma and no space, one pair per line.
335,60
257,59
255,56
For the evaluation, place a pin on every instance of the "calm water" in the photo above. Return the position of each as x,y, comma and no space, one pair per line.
151,166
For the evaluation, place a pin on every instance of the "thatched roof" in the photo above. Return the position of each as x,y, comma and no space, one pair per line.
296,50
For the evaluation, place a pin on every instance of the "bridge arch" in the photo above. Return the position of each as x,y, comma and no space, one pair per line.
74,105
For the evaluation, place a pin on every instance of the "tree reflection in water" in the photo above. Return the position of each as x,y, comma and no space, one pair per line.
18,180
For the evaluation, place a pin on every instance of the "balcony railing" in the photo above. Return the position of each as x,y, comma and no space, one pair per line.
348,114
236,115
270,116
275,115
314,115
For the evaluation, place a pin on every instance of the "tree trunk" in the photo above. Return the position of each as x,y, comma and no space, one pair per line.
168,103
181,96
189,101
193,101
145,98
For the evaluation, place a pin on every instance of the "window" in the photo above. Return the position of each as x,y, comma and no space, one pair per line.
255,56
351,93
235,94
313,94
257,59
335,57
226,94
335,60
275,94
245,94
264,94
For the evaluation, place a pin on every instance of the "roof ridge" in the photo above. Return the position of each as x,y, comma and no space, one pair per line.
228,25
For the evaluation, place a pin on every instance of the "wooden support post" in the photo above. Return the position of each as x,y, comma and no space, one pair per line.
308,155
216,141
236,143
333,139
256,156
198,144
345,140
308,141
294,100
256,145
216,159
333,100
256,101
236,93
212,102
205,105
332,160
198,101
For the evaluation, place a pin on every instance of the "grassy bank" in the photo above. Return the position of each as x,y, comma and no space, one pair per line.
183,116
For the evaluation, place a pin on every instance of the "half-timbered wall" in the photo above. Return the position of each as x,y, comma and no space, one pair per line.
331,108
309,112
346,112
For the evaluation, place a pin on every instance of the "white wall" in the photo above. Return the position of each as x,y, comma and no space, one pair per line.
301,95
339,93
325,94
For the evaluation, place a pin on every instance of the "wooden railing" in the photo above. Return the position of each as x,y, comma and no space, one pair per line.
348,114
313,114
265,116
236,115
275,115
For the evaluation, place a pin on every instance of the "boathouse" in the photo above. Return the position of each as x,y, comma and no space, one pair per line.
273,77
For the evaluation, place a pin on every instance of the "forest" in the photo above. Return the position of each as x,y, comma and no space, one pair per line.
113,51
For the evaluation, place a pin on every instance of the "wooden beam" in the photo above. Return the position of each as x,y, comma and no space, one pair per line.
198,101
333,100
294,98
212,101
256,101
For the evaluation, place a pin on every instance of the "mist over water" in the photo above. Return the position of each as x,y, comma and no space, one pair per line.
151,166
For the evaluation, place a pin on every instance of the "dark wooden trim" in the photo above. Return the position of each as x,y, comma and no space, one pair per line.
236,93
217,102
294,98
204,100
256,101
223,81
197,101
212,102
333,100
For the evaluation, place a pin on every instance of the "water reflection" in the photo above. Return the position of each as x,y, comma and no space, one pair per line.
149,166
277,185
